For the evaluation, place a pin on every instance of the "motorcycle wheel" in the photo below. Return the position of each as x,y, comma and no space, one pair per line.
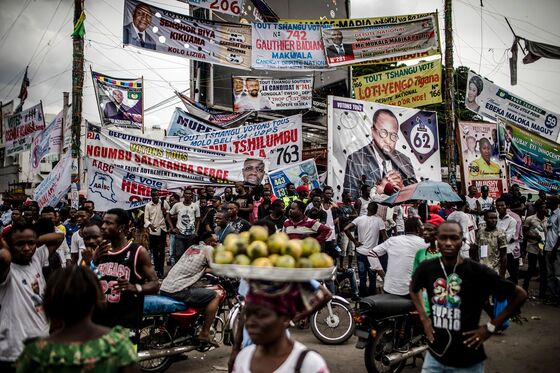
154,337
381,345
217,330
335,329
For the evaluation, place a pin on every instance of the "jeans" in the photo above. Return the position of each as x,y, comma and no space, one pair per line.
182,243
533,259
365,272
172,258
157,247
553,274
431,365
350,275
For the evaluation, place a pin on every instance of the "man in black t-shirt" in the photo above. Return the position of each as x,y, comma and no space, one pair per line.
238,223
457,290
244,200
276,216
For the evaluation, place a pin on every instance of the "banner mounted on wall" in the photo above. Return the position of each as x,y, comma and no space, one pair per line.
231,7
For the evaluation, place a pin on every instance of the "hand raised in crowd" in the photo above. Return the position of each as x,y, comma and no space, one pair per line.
101,250
477,337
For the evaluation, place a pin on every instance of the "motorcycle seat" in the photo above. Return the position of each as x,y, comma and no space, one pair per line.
385,305
159,304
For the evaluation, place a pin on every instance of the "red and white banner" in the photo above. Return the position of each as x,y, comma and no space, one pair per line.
56,185
20,128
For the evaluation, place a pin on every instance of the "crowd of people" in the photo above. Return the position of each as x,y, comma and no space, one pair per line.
77,275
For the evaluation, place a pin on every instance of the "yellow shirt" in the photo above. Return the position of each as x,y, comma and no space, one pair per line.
479,168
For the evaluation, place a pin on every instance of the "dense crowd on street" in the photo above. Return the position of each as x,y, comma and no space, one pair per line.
73,280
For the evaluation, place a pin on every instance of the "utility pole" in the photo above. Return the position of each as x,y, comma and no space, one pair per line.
77,88
450,95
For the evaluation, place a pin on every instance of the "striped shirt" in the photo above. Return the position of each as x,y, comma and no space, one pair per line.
306,228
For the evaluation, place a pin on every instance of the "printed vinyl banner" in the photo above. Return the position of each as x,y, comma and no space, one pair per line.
183,123
172,161
5,111
360,22
347,46
479,151
111,186
532,181
221,119
176,34
288,46
46,142
232,7
303,173
527,150
280,140
491,101
378,144
269,94
408,86
119,100
56,185
20,128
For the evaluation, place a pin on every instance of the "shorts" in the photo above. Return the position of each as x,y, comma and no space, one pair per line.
197,297
346,246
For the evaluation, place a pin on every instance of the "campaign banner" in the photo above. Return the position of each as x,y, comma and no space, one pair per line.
527,179
481,165
525,149
56,184
279,140
111,186
347,46
183,123
172,161
408,86
221,119
148,27
302,173
49,141
231,7
376,144
5,111
491,101
360,22
120,101
253,93
20,128
287,46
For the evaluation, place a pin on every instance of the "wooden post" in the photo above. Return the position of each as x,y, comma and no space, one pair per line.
77,88
450,95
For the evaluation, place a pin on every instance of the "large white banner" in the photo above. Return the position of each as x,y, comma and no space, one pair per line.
172,161
46,142
56,185
376,144
280,140
252,93
20,128
232,7
288,46
157,29
489,100
183,123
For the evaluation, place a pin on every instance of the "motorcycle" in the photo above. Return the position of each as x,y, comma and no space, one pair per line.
170,327
388,327
333,324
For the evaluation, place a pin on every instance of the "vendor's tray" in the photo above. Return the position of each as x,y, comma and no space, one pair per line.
272,273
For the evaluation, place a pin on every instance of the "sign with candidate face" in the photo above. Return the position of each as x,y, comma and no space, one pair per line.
376,144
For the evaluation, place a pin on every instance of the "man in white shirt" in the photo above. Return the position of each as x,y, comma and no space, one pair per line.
154,220
484,203
401,252
77,242
361,203
370,227
551,250
508,224
188,216
468,226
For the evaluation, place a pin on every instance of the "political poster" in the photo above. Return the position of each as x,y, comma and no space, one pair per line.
221,119
20,128
408,86
361,22
120,101
347,46
302,173
527,179
5,111
491,101
49,141
376,144
55,186
231,7
111,186
287,46
183,123
279,140
527,150
172,161
253,93
148,27
481,165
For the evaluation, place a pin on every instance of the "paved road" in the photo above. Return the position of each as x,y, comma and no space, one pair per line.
531,347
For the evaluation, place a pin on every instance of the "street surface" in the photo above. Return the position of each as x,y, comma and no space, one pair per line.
531,347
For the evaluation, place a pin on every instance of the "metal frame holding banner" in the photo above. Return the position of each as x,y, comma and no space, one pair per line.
376,144
491,101
20,128
167,32
120,101
303,173
408,86
480,162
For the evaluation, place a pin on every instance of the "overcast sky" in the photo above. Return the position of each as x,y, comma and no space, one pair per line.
36,32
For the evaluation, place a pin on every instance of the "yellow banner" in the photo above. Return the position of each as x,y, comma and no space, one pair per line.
408,86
